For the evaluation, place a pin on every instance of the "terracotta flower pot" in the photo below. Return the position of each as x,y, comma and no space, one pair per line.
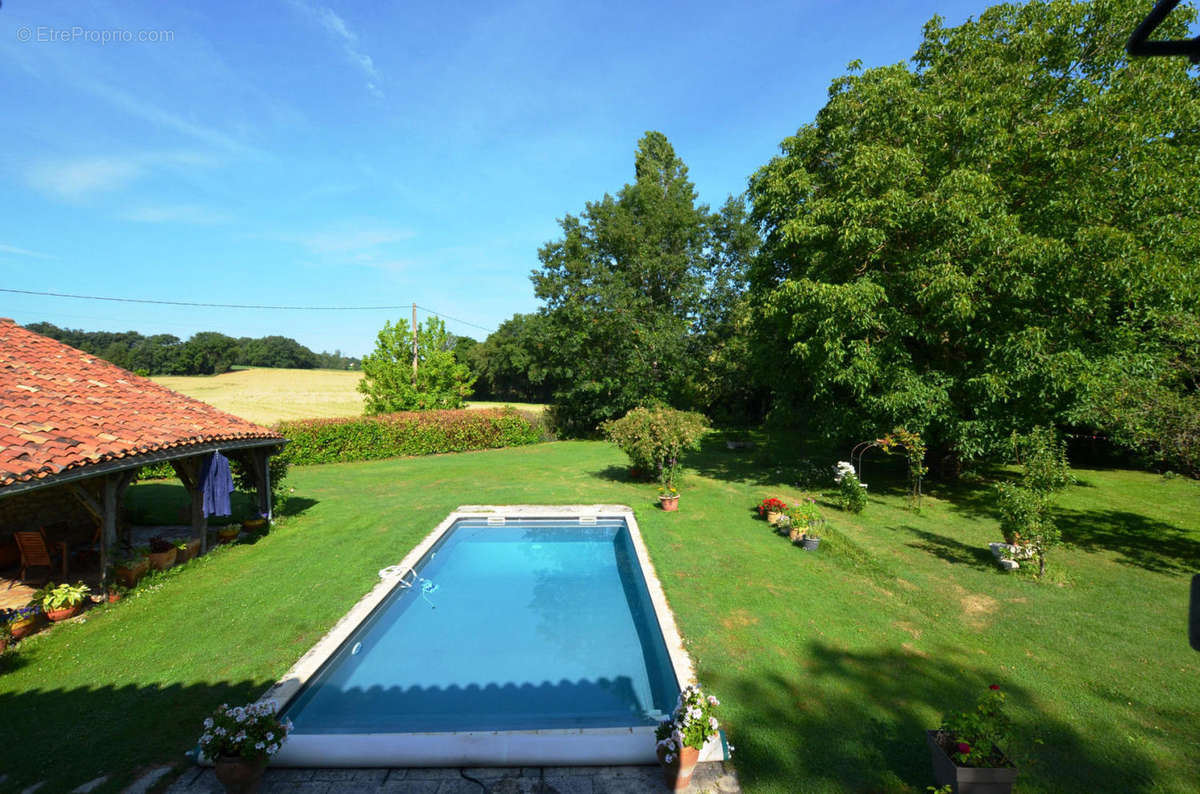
129,575
968,779
228,534
669,503
4,643
795,534
64,613
678,773
23,628
254,524
240,775
114,596
162,560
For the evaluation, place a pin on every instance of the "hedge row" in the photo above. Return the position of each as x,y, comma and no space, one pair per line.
407,433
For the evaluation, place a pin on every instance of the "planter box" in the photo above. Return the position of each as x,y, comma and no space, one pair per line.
162,560
967,779
129,575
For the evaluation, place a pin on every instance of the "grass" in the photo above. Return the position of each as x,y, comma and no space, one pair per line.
267,395
830,665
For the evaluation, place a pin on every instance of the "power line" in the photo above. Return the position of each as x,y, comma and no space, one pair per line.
197,304
202,305
454,319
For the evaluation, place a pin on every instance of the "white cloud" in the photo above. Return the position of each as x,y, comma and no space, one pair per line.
333,24
358,241
176,213
12,249
75,179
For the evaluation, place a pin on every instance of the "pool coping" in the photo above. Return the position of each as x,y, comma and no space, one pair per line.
603,745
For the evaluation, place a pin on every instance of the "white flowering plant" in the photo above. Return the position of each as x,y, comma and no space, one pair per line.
693,723
251,731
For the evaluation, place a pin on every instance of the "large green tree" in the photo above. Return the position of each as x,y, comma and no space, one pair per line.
995,236
441,382
507,362
624,293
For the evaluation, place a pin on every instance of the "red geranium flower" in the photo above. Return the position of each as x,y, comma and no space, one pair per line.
964,748
994,686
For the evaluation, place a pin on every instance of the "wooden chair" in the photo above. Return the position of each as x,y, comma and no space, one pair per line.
35,551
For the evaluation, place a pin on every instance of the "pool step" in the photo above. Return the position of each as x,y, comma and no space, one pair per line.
495,521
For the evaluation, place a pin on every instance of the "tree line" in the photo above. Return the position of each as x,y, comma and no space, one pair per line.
1000,234
204,353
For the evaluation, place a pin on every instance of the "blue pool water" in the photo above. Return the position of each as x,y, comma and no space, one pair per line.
535,624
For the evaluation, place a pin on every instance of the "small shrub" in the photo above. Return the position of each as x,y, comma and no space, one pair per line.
399,434
852,494
1025,518
654,438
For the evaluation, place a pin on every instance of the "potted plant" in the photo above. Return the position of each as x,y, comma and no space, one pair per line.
228,533
132,567
185,550
116,592
162,553
668,498
62,601
240,740
256,524
771,509
24,621
966,750
806,523
681,738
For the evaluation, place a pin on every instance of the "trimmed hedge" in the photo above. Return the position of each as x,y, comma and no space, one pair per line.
407,433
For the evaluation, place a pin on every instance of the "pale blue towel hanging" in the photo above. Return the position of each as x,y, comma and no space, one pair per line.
217,485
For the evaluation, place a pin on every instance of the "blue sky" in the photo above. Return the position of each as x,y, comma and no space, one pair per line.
302,153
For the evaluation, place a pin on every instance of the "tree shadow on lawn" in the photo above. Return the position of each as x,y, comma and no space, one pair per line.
949,549
106,730
859,725
1140,541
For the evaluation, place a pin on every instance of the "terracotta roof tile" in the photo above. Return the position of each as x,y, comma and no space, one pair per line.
61,408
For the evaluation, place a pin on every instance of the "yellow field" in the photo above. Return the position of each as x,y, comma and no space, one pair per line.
268,395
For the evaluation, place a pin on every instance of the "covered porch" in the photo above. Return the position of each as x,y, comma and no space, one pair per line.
83,517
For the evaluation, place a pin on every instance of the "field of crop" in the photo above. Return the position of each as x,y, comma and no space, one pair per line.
268,395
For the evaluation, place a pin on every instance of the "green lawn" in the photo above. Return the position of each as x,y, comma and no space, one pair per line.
830,665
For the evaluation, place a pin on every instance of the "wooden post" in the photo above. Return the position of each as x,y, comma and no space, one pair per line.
106,511
188,470
262,482
414,334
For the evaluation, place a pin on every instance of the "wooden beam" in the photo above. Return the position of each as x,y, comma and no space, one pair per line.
89,503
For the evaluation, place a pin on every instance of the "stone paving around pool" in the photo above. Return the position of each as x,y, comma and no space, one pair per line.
710,778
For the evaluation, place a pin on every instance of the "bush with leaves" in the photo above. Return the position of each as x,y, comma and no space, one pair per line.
654,438
407,433
976,738
852,494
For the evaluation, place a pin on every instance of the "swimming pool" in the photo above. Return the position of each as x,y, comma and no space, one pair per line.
508,636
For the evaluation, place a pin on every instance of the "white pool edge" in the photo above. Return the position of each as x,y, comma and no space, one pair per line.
574,747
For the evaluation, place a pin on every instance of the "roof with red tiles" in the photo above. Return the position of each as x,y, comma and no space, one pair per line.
62,409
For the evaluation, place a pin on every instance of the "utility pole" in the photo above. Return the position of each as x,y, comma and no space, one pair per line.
414,332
